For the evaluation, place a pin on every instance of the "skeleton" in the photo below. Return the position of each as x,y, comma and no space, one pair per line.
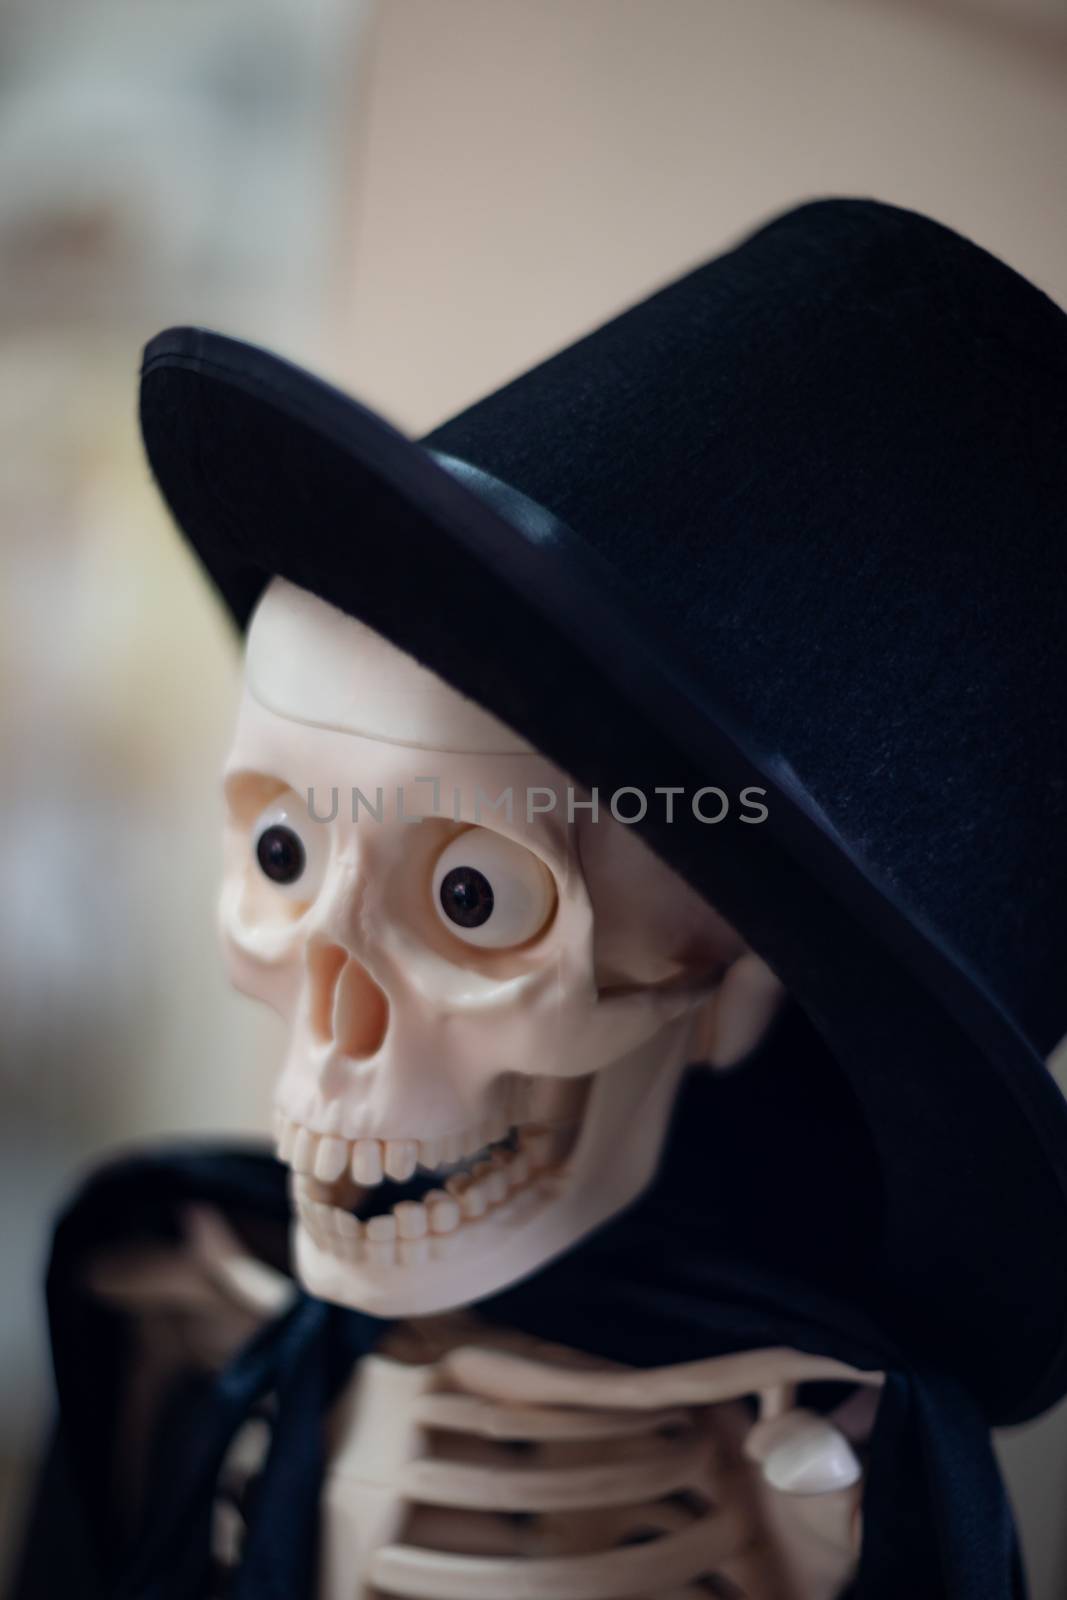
488,1016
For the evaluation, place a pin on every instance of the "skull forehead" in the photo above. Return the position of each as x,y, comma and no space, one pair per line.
327,696
310,662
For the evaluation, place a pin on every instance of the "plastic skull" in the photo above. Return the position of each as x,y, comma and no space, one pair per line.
490,992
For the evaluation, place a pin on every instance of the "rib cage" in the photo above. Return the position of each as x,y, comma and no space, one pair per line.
465,1460
436,1492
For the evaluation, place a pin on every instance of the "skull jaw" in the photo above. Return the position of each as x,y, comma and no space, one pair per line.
615,1158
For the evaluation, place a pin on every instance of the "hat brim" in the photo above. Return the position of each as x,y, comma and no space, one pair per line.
270,472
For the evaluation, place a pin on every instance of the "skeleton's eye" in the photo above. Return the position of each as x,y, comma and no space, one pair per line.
290,847
490,891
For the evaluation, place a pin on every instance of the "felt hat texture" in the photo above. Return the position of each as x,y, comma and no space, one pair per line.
793,522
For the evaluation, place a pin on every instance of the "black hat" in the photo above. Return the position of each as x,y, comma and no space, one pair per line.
794,523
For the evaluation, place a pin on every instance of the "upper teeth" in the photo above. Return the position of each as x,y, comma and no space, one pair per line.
328,1157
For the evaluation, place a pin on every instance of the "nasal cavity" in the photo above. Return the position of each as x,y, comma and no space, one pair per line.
347,1007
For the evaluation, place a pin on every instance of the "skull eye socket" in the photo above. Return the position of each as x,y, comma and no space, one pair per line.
290,849
491,892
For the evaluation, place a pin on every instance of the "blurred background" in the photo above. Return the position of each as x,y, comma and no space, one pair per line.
419,198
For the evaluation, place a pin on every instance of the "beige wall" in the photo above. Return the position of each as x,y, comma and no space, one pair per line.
528,166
